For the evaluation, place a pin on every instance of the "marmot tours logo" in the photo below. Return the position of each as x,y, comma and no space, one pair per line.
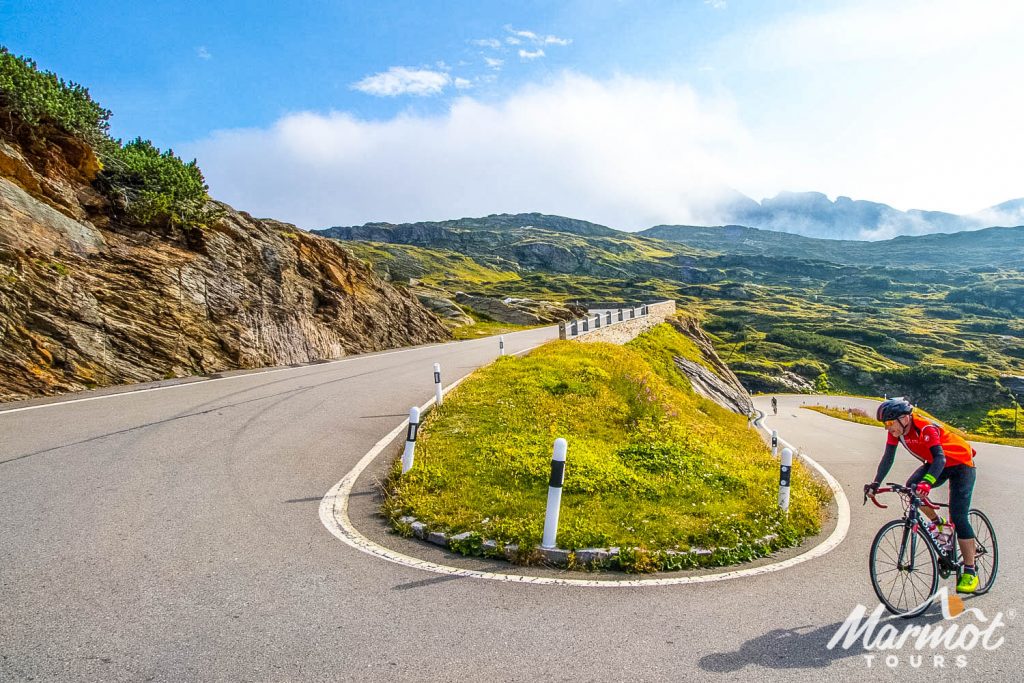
962,630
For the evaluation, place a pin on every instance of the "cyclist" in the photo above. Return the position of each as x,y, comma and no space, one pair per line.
775,406
946,457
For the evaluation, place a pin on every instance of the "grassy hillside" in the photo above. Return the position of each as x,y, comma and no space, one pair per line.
920,316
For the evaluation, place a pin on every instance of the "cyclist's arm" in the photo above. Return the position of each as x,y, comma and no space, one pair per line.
938,464
886,463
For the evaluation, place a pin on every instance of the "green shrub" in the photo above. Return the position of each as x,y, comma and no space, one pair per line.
153,187
826,346
157,187
39,97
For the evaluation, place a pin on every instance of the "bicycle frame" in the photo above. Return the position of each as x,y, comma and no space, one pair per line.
912,521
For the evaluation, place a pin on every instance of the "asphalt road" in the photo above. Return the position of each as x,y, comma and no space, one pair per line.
174,534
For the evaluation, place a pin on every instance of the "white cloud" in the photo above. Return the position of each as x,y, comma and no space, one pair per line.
628,153
400,80
494,63
905,103
487,42
716,4
536,54
528,35
517,37
874,30
462,83
203,53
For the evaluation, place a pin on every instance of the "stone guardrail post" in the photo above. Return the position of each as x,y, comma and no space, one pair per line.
620,315
597,321
609,318
586,324
410,440
785,473
562,334
554,494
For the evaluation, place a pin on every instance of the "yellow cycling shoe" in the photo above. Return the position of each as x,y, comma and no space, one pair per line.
968,582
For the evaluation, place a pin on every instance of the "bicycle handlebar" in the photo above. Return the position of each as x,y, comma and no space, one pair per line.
898,488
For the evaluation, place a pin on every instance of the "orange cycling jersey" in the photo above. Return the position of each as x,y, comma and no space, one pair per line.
923,434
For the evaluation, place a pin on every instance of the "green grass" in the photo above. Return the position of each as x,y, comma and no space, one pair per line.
650,464
849,414
485,328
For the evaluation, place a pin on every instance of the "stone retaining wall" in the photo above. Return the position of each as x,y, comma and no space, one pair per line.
628,330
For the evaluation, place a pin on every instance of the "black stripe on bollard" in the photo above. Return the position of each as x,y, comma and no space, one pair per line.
413,428
784,473
557,474
437,378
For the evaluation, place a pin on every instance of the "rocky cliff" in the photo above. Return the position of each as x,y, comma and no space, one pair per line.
86,300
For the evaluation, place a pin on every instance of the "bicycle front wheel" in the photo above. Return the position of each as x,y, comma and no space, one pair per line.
904,569
986,553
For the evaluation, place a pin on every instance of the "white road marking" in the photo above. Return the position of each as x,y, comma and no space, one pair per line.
204,382
334,516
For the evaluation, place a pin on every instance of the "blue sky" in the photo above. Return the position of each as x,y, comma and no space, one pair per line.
626,113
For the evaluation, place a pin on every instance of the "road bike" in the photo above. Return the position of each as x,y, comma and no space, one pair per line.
906,562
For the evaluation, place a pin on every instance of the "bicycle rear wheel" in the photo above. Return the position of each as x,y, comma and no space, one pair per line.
986,557
904,569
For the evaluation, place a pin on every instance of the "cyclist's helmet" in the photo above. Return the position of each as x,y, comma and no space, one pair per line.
892,408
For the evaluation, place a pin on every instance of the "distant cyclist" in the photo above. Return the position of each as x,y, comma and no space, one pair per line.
775,406
946,457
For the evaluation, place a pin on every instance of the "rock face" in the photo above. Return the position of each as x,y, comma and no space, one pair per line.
719,385
85,301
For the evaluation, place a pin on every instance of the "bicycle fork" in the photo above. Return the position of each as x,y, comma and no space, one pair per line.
910,538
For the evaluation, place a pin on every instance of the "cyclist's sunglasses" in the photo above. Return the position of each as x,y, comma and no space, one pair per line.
890,423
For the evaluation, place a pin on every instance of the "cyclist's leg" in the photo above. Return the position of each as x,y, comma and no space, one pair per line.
913,481
961,489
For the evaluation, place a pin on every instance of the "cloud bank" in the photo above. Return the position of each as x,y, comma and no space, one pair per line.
627,152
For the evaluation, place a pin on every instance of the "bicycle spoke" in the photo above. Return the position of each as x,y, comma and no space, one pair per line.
903,590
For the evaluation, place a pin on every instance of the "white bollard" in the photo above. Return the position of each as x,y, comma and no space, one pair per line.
775,444
501,345
410,440
785,473
438,395
554,494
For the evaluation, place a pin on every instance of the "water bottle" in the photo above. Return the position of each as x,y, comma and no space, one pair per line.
945,536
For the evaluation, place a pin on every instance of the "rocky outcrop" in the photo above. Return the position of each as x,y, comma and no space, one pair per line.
86,301
719,383
516,311
711,386
446,308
